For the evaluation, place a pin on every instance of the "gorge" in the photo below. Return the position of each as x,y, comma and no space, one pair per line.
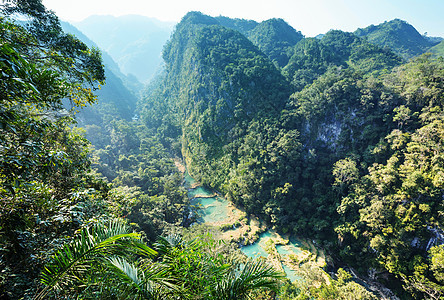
322,155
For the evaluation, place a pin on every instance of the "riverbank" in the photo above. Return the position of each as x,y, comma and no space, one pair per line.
285,253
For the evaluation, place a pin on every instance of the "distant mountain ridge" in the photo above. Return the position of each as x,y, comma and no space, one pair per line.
399,36
135,42
114,96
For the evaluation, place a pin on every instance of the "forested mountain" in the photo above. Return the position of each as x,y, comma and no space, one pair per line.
438,49
115,97
275,37
335,139
241,25
399,36
298,159
134,42
217,84
228,103
312,57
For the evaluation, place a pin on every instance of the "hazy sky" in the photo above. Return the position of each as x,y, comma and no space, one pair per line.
311,17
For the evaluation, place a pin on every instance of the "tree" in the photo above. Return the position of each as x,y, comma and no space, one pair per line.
44,186
40,65
69,68
345,172
428,279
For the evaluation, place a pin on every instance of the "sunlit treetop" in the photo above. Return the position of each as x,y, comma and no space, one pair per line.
50,64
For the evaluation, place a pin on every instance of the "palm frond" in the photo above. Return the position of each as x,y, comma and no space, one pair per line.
147,281
131,279
254,275
77,257
164,245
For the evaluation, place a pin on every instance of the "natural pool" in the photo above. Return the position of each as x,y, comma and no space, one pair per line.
254,250
200,192
257,249
293,247
188,181
214,209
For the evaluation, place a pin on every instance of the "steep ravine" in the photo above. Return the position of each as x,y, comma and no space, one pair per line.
254,238
286,253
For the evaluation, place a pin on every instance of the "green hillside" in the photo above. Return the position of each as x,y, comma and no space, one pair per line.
241,25
331,147
218,82
438,50
312,57
275,38
397,35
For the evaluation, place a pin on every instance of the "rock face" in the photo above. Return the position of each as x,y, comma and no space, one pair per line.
437,237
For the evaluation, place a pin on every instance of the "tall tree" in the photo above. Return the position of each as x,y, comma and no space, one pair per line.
44,184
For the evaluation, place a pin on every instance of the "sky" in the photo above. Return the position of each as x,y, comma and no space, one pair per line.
311,17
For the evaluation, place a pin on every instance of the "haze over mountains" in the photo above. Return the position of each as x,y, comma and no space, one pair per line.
118,95
135,42
334,141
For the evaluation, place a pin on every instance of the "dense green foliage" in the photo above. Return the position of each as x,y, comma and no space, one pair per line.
397,35
241,25
46,189
313,57
148,189
220,87
148,185
390,213
312,162
110,262
318,285
333,139
438,50
274,37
